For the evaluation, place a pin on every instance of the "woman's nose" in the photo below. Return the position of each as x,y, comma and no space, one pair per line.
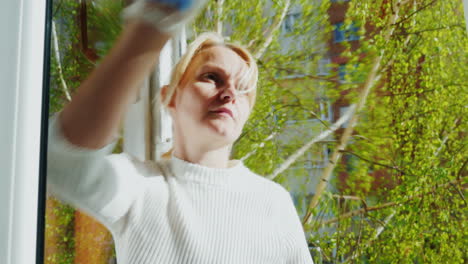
229,93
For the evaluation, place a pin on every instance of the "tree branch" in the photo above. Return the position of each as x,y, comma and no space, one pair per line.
291,159
57,8
430,29
89,53
414,12
373,162
219,14
246,156
411,93
371,80
273,79
456,123
309,76
271,30
348,197
387,205
246,131
59,62
358,212
379,230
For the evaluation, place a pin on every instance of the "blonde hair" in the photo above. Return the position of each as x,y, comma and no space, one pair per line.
248,83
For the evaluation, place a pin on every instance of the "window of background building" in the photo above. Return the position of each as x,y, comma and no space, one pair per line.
352,162
342,73
323,67
343,110
289,21
350,73
343,33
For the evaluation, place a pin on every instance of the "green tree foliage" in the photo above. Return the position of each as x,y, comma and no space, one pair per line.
409,146
403,200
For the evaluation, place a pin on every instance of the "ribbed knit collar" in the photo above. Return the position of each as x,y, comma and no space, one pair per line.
188,171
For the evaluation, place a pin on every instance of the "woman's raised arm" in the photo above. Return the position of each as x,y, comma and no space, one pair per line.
91,119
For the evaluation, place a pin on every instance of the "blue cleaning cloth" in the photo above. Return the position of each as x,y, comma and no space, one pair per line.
178,4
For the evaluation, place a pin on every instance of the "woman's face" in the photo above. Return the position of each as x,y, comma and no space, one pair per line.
207,107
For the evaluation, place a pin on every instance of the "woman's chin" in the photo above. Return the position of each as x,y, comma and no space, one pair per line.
223,132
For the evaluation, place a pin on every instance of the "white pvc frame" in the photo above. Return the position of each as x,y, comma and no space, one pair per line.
22,27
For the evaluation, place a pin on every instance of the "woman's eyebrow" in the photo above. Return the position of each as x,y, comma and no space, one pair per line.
211,67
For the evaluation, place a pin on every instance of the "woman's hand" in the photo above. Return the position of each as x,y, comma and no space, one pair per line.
167,16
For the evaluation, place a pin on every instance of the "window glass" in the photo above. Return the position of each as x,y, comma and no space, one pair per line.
361,183
82,33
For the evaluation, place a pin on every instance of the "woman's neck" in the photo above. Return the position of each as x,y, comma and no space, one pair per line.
215,158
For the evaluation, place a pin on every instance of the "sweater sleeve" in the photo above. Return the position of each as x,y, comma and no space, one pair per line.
298,250
99,183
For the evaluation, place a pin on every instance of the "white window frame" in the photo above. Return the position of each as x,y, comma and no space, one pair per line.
22,25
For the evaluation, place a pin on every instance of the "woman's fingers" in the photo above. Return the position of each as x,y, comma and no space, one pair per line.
167,16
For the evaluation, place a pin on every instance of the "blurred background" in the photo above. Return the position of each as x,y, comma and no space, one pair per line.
361,114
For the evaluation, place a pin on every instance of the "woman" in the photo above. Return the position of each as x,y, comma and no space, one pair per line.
197,206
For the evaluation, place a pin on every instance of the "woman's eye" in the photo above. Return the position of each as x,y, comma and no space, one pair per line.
211,76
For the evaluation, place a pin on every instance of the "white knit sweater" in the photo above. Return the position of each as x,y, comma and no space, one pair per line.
176,211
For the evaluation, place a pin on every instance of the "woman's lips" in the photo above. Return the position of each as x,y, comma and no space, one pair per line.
224,111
